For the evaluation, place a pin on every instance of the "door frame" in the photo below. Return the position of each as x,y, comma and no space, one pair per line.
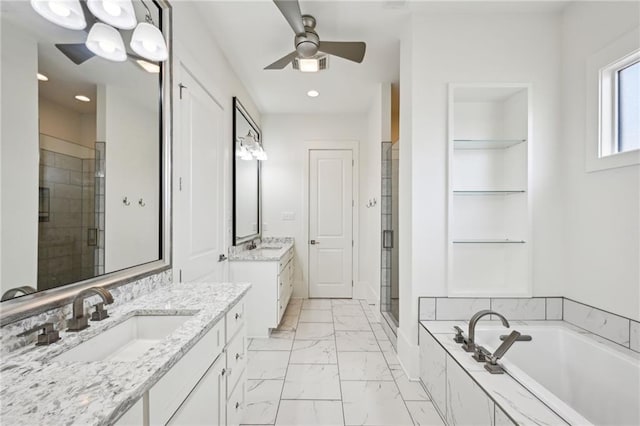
330,145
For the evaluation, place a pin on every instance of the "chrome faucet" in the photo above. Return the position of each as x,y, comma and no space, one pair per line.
79,320
469,343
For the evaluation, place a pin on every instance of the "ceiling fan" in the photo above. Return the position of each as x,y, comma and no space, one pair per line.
308,42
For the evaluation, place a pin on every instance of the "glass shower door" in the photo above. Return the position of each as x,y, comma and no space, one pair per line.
389,287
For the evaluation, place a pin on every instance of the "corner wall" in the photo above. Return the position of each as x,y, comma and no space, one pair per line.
602,208
471,48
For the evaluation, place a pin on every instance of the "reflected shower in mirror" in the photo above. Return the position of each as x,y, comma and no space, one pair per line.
85,150
248,153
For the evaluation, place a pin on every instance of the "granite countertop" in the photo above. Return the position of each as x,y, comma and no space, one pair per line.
38,390
270,249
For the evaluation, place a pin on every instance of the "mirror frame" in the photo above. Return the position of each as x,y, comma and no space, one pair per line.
239,108
25,306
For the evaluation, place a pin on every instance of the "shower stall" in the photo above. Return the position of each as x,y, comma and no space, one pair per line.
389,294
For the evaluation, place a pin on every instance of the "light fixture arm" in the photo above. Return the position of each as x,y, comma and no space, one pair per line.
148,17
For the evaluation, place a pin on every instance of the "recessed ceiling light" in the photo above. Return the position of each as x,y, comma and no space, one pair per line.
148,66
82,98
42,77
313,93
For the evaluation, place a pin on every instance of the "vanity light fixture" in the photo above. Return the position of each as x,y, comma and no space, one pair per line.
148,66
66,13
106,41
313,93
82,98
117,13
42,77
147,40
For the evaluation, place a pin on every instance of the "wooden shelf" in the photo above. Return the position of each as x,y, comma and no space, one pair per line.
486,143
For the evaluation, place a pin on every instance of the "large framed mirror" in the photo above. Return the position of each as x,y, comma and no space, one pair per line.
86,145
248,153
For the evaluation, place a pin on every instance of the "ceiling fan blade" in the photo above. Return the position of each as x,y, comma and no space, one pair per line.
291,11
282,62
351,50
77,52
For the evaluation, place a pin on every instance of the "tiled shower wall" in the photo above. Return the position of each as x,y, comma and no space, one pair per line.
99,203
387,226
62,236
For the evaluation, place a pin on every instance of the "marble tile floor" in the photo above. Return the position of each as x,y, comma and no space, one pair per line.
330,363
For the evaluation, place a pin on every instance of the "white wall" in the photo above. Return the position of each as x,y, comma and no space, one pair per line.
19,140
602,208
64,123
196,49
132,169
283,176
469,48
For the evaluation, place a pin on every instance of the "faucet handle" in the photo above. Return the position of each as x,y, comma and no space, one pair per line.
100,312
480,353
459,337
48,336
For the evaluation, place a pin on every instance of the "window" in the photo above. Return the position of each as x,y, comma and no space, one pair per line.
628,108
613,105
619,106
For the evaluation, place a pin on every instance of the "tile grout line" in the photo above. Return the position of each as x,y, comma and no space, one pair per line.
295,331
335,342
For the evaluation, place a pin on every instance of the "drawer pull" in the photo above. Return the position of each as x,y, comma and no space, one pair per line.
237,405
238,356
223,372
238,316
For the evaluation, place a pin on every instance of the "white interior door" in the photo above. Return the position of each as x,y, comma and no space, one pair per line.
198,231
330,223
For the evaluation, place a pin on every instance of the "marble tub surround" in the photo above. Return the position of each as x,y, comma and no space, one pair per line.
264,250
9,341
616,328
36,388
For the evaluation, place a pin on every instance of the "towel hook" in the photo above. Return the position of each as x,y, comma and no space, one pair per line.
125,201
141,202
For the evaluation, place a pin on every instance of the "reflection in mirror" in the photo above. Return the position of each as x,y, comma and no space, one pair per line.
85,153
246,175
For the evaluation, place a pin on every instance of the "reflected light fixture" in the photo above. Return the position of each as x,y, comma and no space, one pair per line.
309,64
117,13
148,66
106,41
313,93
66,13
82,98
42,77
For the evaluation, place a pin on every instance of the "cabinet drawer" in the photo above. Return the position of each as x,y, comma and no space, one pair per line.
235,319
236,404
134,416
166,396
285,260
236,360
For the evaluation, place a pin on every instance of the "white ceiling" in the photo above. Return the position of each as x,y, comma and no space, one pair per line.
253,34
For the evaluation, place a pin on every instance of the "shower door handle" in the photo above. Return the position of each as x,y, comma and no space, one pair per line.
387,239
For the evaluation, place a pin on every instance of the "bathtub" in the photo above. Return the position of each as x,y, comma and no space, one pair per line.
583,380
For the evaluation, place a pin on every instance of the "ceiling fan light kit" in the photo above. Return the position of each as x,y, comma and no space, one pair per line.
66,13
106,42
117,13
308,44
104,39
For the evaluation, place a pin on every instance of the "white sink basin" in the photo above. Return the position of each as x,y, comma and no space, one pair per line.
269,248
126,341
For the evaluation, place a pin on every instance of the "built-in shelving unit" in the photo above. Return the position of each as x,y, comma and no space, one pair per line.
488,231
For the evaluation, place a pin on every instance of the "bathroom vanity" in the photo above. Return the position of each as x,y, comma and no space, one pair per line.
270,268
176,355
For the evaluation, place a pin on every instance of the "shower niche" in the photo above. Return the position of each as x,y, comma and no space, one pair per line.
488,194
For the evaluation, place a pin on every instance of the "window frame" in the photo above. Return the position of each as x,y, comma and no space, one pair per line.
602,141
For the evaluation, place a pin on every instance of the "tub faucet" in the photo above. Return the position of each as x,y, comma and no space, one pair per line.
469,344
492,365
79,320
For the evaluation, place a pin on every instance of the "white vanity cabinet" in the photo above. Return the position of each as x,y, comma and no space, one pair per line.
272,287
206,386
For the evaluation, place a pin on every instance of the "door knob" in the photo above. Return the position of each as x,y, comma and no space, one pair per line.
314,242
